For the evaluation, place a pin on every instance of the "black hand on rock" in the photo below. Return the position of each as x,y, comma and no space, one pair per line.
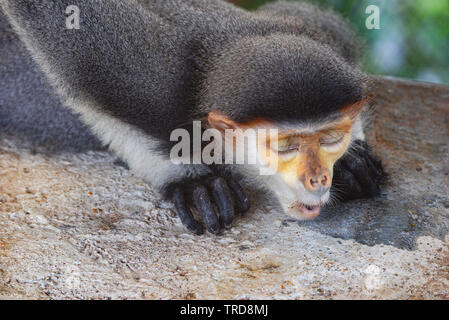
216,199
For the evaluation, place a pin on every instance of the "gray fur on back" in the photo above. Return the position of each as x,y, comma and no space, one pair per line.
29,109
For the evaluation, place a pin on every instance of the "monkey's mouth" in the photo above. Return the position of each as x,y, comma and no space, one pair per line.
309,210
304,211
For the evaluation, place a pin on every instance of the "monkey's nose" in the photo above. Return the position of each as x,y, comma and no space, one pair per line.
318,184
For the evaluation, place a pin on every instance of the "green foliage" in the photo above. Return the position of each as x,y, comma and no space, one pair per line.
413,39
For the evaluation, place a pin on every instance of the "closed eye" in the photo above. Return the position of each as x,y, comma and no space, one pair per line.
290,148
286,146
332,138
331,141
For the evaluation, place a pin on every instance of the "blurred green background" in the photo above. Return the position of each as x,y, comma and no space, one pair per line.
412,42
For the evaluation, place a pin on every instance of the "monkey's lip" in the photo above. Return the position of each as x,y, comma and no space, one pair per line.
307,211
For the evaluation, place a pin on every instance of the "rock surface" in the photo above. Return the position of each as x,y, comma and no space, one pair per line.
78,226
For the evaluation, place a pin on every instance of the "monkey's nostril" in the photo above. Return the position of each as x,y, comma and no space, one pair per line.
313,182
324,180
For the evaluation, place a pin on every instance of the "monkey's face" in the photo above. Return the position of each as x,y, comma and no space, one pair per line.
303,161
301,157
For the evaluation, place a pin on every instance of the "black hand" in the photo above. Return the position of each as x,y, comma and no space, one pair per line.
216,199
358,174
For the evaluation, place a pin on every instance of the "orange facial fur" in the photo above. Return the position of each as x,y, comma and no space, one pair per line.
312,158
316,152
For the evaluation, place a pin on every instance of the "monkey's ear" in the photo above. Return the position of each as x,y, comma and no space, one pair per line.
353,110
220,122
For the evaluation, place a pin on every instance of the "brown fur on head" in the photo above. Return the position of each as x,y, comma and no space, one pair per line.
302,156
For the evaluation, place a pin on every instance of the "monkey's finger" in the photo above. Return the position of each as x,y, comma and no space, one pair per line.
223,199
347,185
241,200
185,214
203,203
368,180
359,168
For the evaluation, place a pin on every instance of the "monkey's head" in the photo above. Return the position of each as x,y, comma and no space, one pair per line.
305,91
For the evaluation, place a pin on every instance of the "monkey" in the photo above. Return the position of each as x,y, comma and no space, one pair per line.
137,70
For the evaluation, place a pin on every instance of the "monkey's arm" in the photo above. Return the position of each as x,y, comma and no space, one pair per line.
124,72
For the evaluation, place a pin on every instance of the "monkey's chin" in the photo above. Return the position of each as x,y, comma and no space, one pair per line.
303,211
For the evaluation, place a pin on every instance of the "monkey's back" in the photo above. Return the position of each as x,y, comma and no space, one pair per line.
222,20
29,109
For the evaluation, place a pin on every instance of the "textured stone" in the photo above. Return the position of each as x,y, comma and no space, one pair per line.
78,226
